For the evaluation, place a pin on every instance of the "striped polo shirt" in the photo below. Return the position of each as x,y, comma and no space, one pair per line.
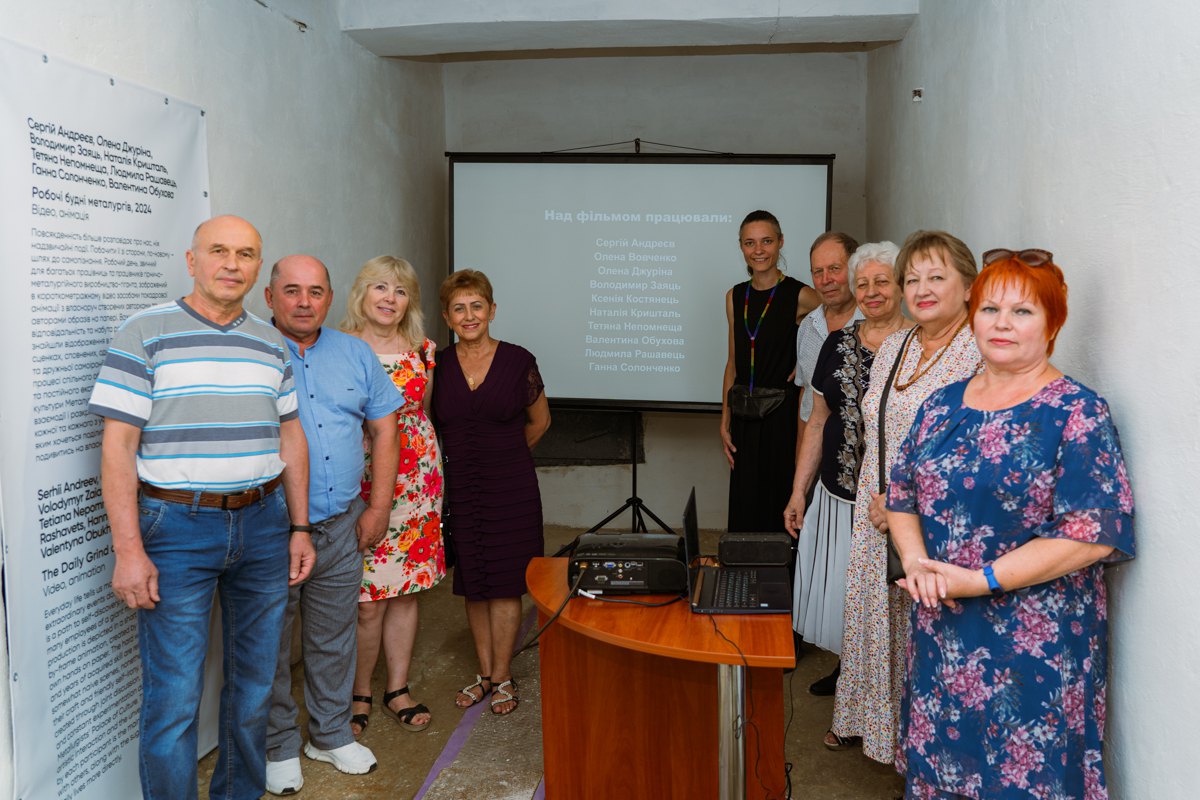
209,398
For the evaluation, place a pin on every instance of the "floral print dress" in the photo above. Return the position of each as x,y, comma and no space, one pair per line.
876,617
1006,695
410,558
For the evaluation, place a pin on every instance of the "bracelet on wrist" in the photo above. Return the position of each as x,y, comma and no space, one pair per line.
993,585
300,529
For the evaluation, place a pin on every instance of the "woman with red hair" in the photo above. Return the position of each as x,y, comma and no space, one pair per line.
1005,502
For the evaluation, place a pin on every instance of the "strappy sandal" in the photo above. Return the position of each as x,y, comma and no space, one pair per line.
834,742
405,715
361,720
469,691
500,696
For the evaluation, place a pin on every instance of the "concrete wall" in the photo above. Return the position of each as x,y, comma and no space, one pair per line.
803,103
1072,127
326,147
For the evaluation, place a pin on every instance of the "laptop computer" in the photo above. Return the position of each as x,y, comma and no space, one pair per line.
731,590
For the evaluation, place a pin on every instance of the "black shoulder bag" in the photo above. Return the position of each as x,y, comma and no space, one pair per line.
895,569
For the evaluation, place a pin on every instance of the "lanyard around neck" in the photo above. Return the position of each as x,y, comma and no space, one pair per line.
757,327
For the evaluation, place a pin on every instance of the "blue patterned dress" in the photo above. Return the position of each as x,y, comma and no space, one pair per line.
1006,696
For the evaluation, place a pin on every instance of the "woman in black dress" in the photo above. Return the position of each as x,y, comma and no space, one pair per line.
763,313
490,410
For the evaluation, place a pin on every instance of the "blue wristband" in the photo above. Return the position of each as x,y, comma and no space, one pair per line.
993,584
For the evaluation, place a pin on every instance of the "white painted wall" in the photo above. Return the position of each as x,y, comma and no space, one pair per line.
326,147
802,103
1072,126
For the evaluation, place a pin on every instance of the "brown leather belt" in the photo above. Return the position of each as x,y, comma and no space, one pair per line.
228,502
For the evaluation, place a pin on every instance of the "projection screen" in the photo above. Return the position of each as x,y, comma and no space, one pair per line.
612,270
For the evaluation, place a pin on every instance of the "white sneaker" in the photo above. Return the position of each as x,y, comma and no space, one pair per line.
353,758
284,777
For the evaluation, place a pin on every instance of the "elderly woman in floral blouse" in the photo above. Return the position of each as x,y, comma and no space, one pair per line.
1005,502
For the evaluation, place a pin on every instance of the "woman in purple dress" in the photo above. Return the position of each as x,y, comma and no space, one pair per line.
1005,502
490,410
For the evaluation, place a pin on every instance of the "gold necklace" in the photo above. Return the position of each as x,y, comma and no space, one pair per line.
920,373
471,378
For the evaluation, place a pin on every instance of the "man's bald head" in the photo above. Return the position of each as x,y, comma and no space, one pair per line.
224,262
283,264
220,221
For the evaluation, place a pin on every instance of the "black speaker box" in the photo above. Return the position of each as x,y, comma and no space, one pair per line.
755,550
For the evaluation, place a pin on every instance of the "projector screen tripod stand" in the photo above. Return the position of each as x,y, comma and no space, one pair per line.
634,503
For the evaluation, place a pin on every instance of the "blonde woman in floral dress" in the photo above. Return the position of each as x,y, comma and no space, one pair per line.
384,310
935,271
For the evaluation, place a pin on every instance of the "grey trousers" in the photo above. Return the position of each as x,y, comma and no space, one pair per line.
328,605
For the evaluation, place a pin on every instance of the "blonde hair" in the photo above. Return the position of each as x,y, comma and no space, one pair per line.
387,268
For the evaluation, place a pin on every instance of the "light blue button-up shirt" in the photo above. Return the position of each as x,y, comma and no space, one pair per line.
340,383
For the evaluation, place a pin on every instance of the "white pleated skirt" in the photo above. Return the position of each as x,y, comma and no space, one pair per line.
822,554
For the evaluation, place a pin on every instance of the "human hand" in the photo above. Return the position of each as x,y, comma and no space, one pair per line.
135,580
727,444
932,582
371,527
925,586
793,514
877,512
302,557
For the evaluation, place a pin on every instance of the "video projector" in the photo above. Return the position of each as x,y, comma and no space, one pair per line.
628,563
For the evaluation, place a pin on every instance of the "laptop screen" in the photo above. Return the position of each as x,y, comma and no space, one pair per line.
691,536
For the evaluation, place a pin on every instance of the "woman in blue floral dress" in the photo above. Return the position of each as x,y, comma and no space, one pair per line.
1005,502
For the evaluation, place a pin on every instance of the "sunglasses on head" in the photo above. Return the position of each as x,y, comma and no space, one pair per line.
1032,257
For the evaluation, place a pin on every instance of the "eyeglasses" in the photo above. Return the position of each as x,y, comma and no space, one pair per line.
1032,257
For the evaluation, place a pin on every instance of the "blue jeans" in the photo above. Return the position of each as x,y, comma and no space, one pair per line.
197,550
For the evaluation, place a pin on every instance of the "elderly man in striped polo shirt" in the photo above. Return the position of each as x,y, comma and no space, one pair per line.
200,431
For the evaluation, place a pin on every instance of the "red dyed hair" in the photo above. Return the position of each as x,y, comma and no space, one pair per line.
1043,284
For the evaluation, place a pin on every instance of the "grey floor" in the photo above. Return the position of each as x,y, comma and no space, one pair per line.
501,757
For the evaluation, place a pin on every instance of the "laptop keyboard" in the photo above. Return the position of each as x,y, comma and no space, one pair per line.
736,588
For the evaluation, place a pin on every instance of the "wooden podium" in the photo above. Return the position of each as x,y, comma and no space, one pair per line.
653,703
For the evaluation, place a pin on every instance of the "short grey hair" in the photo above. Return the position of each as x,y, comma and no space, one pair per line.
880,252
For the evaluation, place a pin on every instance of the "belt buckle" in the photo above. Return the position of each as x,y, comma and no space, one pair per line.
225,498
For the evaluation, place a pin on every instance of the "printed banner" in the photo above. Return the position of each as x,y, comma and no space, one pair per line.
101,186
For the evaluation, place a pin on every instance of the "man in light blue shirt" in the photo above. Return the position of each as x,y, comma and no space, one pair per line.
342,387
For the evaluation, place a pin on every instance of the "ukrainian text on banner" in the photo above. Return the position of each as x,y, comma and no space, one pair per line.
101,185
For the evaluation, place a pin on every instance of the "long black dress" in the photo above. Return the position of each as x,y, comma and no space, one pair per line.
760,483
492,509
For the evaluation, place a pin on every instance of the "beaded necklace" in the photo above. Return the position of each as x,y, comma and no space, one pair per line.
757,327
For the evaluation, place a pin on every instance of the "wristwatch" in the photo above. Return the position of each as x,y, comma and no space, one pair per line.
993,584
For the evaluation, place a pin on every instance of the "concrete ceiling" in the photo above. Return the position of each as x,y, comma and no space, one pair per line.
458,30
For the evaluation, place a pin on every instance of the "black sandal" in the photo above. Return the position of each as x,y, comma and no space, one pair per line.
361,720
839,742
500,696
469,691
405,715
